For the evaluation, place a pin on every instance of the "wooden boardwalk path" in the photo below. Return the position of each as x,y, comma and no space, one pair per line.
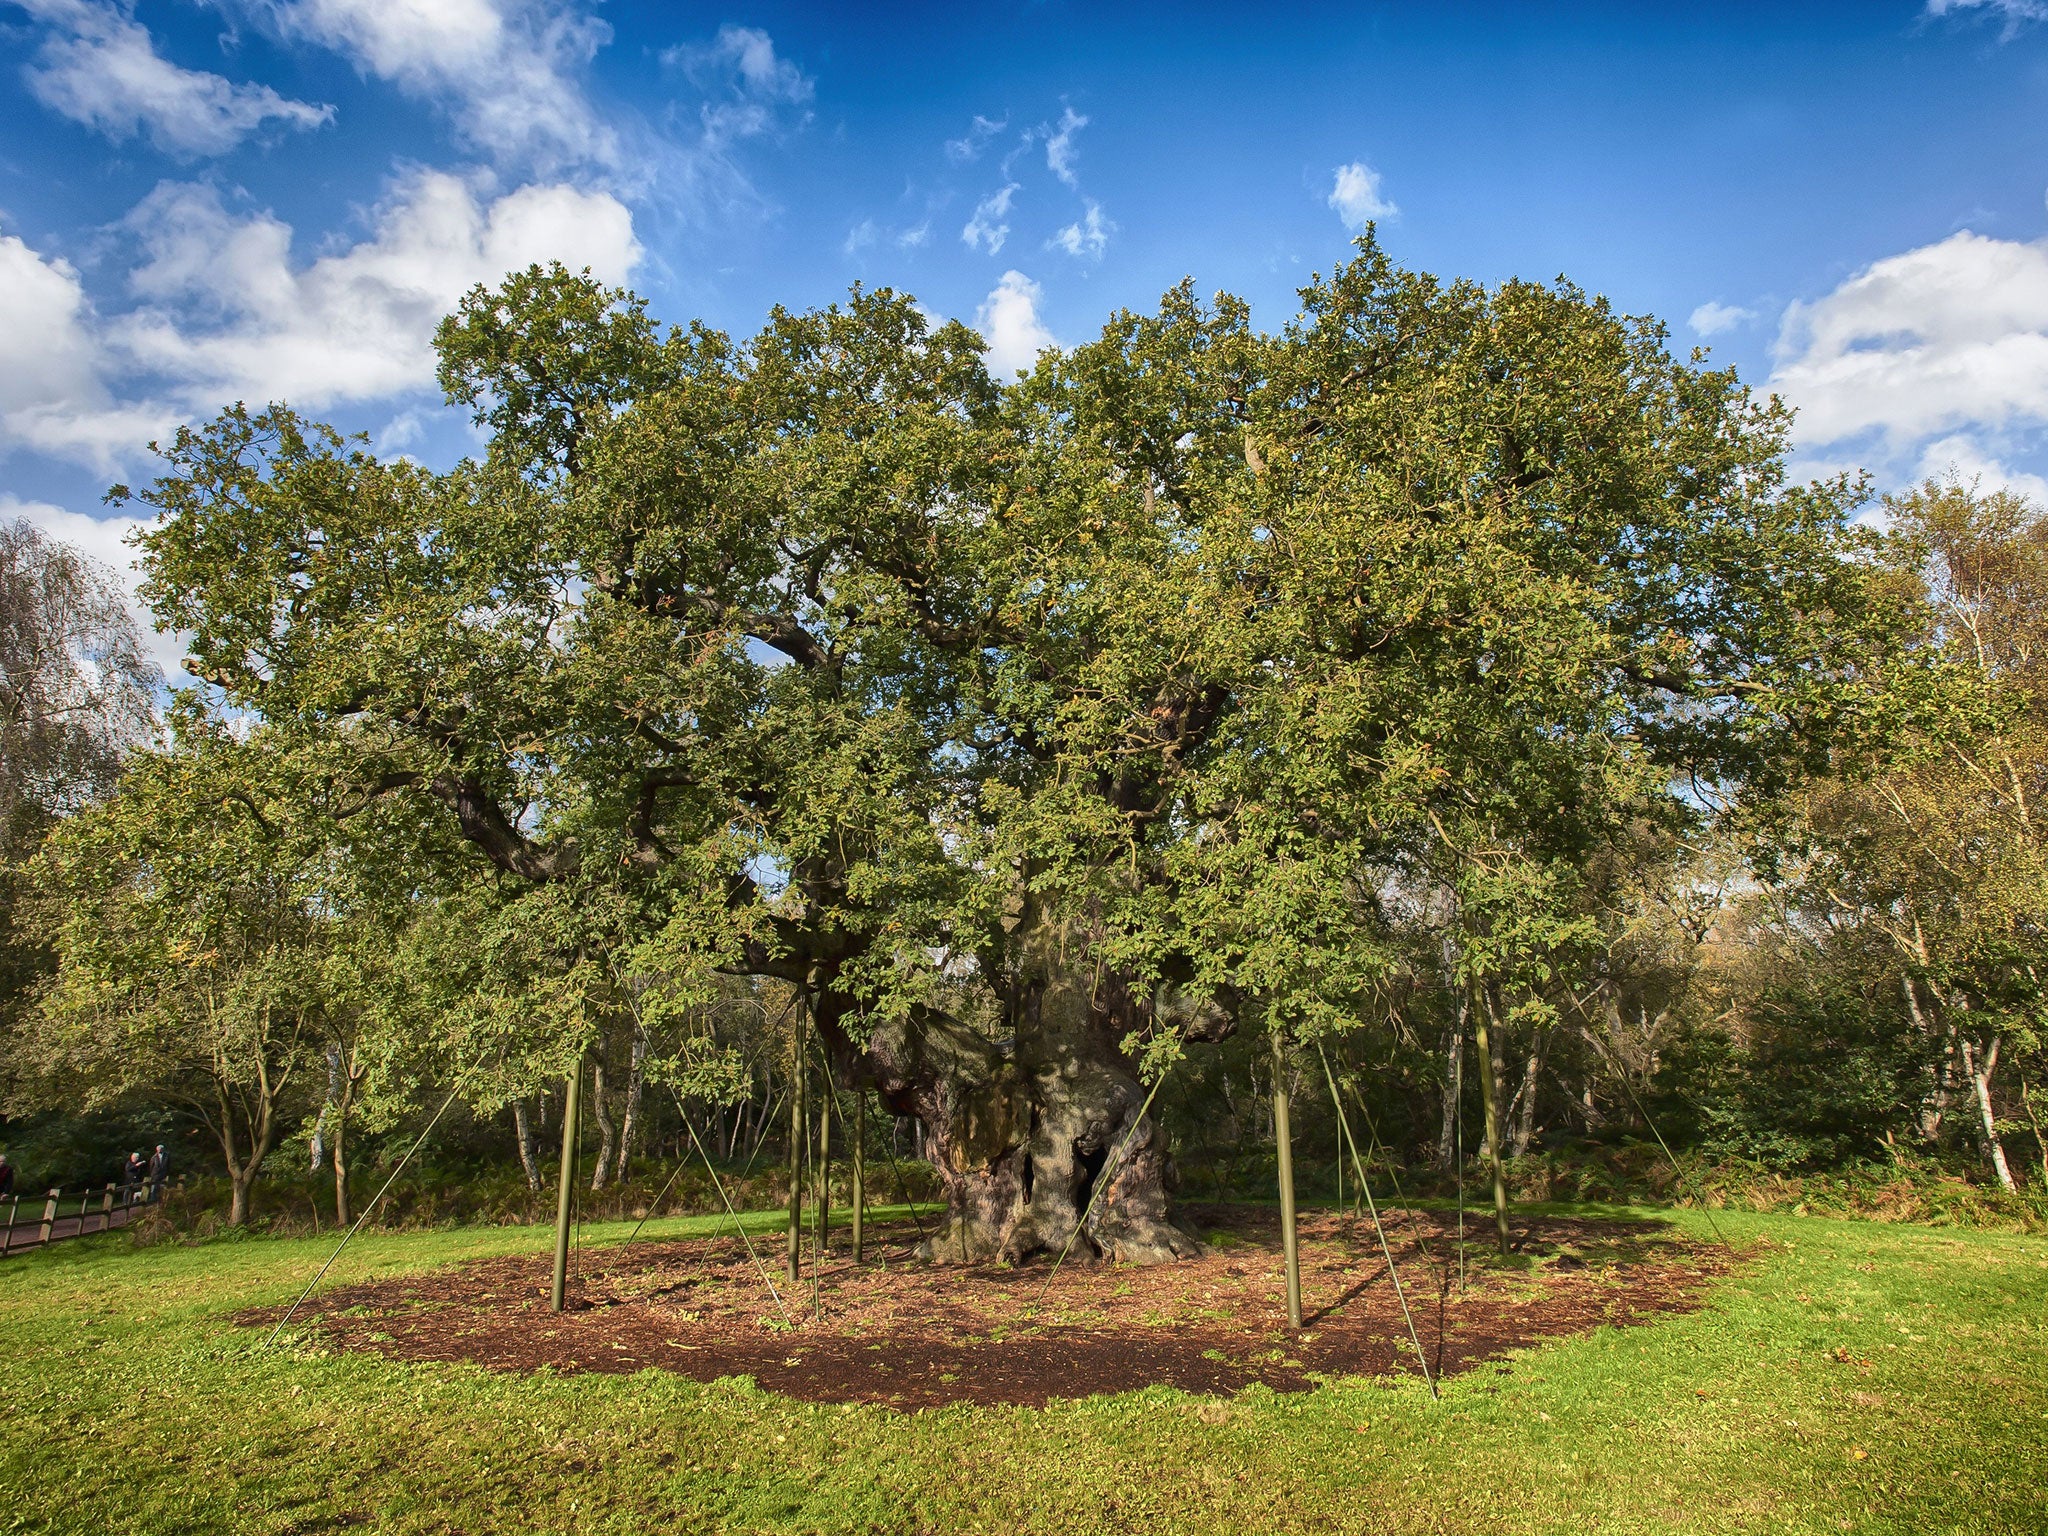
26,1224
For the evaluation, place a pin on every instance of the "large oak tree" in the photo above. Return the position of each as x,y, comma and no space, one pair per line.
1036,731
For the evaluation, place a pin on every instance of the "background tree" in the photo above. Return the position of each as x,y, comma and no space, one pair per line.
77,693
1937,849
217,948
77,687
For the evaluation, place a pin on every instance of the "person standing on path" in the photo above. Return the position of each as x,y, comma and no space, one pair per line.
6,1177
159,1170
132,1173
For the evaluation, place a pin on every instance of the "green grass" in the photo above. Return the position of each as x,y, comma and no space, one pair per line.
131,1405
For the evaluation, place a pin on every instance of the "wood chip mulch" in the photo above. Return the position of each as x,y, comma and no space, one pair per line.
909,1335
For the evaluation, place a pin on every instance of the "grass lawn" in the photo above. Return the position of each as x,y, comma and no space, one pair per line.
1848,1377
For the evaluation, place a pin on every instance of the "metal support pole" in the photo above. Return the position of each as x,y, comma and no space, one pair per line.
795,1257
571,1123
1283,1140
824,1220
860,1181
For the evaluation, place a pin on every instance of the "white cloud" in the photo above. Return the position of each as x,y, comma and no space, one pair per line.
969,145
1059,146
224,313
100,67
53,396
1714,317
749,92
1008,322
401,432
868,234
1356,196
103,539
227,315
764,75
753,84
45,350
1948,337
987,230
2015,12
1087,237
1968,460
504,70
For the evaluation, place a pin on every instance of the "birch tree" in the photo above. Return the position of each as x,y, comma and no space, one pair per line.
1938,843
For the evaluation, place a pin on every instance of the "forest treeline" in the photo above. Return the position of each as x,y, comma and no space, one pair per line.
1450,686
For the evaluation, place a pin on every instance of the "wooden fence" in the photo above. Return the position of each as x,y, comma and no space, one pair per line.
71,1213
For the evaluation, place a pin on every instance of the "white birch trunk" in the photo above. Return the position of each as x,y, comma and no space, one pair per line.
522,1127
319,1147
1980,1069
1525,1122
634,1078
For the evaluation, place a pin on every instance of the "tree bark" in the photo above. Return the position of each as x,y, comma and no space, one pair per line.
1525,1122
1020,1132
239,1182
1980,1066
318,1149
242,1172
1489,1102
635,1078
1448,1137
259,1102
522,1128
1454,1073
600,1106
342,1215
1936,1105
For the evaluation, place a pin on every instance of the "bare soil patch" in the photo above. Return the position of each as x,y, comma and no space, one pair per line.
910,1335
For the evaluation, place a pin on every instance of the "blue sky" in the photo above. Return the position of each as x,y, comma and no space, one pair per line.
258,199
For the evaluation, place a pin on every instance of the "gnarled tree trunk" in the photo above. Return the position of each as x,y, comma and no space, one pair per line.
1021,1132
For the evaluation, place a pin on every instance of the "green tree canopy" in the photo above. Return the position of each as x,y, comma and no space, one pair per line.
1029,729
